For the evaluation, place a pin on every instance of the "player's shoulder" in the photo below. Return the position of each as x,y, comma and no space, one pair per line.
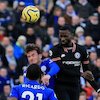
56,47
46,60
81,47
17,87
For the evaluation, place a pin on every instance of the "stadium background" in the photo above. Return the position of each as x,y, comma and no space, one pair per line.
82,16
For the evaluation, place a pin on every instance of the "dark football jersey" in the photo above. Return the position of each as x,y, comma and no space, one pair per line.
69,63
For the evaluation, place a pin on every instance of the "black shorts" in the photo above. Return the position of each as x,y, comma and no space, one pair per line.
67,93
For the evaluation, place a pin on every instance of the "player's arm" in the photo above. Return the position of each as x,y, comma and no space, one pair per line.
87,74
54,69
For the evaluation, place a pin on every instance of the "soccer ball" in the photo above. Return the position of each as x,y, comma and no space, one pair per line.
30,14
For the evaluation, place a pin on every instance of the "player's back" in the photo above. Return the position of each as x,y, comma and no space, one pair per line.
32,90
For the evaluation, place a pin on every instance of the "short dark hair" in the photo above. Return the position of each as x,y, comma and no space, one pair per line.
64,28
34,72
30,47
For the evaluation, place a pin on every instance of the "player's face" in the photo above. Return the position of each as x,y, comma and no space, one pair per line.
33,57
65,37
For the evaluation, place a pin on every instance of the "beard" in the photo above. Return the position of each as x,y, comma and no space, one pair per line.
66,43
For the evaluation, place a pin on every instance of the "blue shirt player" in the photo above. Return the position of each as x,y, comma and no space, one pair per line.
32,89
49,67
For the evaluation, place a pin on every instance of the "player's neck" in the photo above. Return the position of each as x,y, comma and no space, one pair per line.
68,45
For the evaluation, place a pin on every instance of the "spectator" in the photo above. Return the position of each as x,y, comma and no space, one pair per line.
13,73
53,19
88,90
51,33
84,9
61,22
6,42
82,95
70,10
20,29
30,35
26,2
45,53
19,46
18,11
2,33
92,28
9,56
6,92
42,31
80,35
44,5
96,71
4,79
93,96
62,3
90,46
93,57
6,15
75,22
39,43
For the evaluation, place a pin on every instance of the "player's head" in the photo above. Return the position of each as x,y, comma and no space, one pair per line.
34,72
33,53
65,35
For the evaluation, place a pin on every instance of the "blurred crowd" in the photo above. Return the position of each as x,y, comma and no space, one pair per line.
83,18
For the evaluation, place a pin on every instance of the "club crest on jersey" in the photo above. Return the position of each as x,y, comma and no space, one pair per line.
77,55
43,68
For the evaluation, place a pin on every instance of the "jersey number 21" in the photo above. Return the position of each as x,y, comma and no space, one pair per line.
31,95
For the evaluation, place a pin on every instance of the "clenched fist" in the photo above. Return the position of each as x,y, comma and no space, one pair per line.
88,75
45,79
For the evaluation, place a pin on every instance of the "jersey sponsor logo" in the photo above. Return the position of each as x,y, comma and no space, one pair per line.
63,55
75,63
77,55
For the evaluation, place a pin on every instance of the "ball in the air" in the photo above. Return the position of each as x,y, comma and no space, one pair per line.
30,14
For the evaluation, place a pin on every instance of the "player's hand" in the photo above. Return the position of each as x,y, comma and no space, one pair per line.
45,79
88,75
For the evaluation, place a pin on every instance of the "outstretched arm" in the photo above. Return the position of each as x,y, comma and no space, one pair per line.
89,77
53,70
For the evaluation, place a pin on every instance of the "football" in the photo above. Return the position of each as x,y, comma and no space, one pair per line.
30,14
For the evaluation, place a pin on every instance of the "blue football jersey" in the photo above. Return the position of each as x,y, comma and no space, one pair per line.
32,90
47,67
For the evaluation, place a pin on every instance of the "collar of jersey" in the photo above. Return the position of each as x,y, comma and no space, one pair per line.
32,82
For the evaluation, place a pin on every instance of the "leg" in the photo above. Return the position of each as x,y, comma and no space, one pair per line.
74,94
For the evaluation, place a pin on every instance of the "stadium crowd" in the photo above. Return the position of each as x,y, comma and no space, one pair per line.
83,18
